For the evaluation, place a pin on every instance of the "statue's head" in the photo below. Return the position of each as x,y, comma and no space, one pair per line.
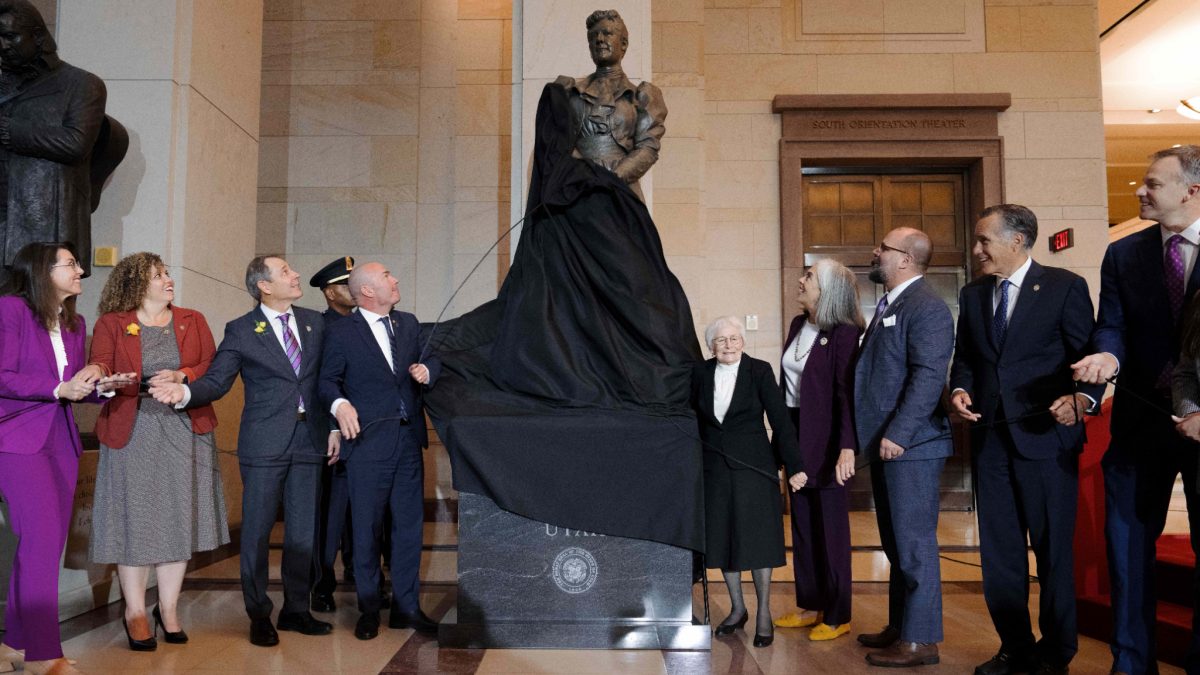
608,38
23,34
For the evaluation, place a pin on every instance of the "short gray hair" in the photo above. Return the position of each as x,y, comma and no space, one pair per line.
838,303
1015,219
1189,161
258,271
720,322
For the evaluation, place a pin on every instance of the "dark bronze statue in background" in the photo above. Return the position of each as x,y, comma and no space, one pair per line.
617,125
56,144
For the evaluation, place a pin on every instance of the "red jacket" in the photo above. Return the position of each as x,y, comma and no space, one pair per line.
118,351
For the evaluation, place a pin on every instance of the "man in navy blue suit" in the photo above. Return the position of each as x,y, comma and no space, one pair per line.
1145,281
1020,327
898,384
372,380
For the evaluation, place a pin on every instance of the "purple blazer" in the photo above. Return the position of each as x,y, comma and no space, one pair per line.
28,376
826,420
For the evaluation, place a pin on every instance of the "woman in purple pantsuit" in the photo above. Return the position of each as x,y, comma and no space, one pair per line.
817,376
41,371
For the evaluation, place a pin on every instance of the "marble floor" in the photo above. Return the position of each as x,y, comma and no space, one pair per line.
212,613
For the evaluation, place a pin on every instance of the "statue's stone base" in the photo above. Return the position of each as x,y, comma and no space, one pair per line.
525,584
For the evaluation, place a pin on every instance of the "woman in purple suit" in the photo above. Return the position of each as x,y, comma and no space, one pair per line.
817,380
42,370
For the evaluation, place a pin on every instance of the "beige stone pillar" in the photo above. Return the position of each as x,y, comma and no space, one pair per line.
550,39
183,77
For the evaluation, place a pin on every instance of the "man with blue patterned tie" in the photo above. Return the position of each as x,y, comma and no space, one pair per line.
1020,327
372,380
283,440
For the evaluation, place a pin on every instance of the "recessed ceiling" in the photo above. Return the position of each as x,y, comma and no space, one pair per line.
1148,60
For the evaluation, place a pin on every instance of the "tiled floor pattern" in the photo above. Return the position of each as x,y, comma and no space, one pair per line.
213,614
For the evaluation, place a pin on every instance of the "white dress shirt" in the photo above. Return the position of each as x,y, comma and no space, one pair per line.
60,354
793,368
724,382
1016,279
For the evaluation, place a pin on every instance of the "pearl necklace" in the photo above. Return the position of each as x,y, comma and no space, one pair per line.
796,352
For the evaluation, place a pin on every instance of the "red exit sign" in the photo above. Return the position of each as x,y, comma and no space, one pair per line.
1062,240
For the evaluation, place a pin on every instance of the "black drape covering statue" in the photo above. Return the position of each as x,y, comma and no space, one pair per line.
565,400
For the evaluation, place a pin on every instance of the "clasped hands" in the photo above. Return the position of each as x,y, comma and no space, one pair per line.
92,378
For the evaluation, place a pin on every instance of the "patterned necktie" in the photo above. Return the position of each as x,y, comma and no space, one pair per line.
880,307
1000,318
1176,284
387,325
292,346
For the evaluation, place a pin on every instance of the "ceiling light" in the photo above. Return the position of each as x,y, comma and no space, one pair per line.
1177,145
1154,110
1133,182
1190,108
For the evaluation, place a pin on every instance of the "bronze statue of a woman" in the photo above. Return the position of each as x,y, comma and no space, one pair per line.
618,125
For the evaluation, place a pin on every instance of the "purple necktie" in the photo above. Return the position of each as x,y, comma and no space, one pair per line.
1174,274
880,307
292,346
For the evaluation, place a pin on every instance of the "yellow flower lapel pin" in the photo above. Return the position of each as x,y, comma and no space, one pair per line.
260,327
133,329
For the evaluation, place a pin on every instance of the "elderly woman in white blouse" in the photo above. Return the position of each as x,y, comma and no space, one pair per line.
743,519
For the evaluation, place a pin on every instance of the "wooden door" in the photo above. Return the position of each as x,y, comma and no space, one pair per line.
845,216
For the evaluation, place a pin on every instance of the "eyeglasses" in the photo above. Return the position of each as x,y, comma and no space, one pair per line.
884,247
733,340
74,263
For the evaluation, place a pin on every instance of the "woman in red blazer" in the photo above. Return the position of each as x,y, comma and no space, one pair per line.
817,377
158,496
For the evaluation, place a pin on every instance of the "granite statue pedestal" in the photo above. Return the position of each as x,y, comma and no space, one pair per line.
525,584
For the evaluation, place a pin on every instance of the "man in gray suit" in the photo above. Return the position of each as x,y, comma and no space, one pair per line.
284,438
898,385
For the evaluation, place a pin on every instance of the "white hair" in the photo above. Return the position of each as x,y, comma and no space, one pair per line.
721,322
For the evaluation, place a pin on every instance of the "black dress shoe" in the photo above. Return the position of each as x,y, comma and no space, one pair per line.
147,645
177,638
727,628
304,623
881,640
414,620
367,627
1004,663
763,640
262,633
323,602
1044,668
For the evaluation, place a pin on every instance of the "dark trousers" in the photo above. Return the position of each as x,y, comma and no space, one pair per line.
906,508
333,522
1139,476
821,552
395,486
295,484
1034,498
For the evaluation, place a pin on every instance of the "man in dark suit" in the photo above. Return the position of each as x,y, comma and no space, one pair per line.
1145,281
898,385
333,517
283,439
1020,327
372,377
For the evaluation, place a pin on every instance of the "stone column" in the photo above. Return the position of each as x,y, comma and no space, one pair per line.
184,79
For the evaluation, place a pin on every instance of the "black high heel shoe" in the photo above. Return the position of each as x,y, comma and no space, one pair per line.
147,645
173,638
763,640
728,628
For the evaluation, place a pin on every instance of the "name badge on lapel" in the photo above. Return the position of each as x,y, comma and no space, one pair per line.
889,321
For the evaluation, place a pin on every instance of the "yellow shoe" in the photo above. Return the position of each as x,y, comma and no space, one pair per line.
797,620
826,632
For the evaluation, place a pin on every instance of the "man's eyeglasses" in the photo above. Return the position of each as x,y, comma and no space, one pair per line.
74,263
884,247
734,340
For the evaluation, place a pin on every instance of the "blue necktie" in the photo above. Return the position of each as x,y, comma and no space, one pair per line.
387,325
1000,318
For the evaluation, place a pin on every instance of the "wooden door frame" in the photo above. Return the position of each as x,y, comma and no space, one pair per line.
875,132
